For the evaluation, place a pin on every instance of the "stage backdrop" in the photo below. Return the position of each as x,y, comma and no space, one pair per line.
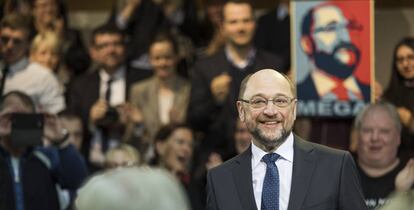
333,56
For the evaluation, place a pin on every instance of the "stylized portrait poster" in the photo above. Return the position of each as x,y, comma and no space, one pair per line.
332,56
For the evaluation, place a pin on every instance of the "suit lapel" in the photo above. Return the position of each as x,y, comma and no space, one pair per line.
94,88
242,174
303,167
153,102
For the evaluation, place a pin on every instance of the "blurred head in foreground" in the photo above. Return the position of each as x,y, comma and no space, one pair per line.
132,189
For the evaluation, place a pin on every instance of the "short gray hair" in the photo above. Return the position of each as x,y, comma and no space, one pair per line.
136,188
389,108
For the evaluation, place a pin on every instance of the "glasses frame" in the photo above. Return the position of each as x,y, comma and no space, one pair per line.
6,39
290,100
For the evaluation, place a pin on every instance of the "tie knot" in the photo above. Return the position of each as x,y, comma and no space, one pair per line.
270,158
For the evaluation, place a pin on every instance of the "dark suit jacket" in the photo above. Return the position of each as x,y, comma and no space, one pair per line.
84,92
310,92
204,113
273,35
322,178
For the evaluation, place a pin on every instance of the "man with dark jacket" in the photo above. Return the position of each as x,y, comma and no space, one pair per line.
216,78
36,177
100,96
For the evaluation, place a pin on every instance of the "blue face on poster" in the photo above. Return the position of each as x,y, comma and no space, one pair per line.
327,41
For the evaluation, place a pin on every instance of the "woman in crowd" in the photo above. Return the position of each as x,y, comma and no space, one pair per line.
400,90
162,98
174,149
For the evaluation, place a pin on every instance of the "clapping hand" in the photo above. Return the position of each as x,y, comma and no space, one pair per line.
405,178
220,87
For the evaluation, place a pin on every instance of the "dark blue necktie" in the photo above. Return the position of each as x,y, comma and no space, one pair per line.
270,192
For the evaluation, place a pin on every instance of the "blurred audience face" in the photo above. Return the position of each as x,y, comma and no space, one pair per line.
108,50
378,138
122,156
13,103
45,11
242,137
405,61
119,158
213,12
45,56
176,152
269,125
14,44
163,59
238,24
45,50
75,129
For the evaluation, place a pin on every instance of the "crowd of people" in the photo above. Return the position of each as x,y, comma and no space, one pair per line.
157,87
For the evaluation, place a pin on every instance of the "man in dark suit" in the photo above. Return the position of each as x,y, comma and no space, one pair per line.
100,96
280,170
216,79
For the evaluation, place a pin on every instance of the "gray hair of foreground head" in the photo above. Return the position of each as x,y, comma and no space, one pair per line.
389,108
132,188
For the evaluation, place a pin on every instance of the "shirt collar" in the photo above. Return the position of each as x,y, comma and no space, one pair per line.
249,59
19,65
282,11
324,84
119,74
285,151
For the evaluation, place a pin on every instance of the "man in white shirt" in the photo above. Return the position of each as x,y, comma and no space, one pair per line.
31,78
303,175
100,96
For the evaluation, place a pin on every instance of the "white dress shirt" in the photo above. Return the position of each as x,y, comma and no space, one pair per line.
118,86
284,165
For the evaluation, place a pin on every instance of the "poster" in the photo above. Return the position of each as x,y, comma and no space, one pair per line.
333,56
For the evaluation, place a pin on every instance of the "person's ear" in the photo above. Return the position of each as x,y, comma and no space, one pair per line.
93,52
294,110
160,148
241,111
307,45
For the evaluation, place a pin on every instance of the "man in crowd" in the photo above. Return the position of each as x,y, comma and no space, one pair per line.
216,78
31,172
280,170
73,124
100,96
34,79
378,130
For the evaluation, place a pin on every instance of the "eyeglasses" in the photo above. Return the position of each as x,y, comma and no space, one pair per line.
408,58
351,26
6,40
259,102
107,44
